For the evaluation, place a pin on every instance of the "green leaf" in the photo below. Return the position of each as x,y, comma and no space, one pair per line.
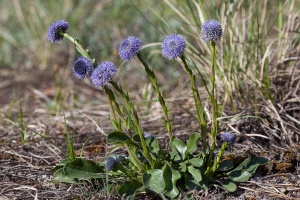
173,154
229,186
117,137
171,176
81,168
225,165
154,147
128,189
59,176
182,167
128,123
197,162
158,165
241,176
154,180
114,123
252,163
190,182
195,173
192,142
180,147
248,167
136,138
61,164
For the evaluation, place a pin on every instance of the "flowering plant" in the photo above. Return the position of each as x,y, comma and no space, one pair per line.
146,166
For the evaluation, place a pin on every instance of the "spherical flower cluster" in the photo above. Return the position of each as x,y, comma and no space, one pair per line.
129,48
82,68
228,137
110,163
103,73
148,135
173,46
211,31
56,30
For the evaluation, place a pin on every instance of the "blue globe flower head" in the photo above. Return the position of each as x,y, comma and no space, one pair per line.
82,68
56,30
211,31
173,46
148,135
129,48
228,137
103,73
110,163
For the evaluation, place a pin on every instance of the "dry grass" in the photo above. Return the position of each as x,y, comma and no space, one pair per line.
269,128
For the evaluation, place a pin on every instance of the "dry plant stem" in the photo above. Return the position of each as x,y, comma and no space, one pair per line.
200,111
214,105
135,120
161,100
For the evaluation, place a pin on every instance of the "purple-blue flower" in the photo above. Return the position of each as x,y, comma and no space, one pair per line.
110,163
228,137
57,29
82,68
129,48
103,73
173,46
211,31
148,135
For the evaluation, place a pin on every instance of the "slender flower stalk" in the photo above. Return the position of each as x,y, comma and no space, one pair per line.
211,31
84,52
136,120
112,101
202,120
214,104
161,99
103,74
173,47
228,140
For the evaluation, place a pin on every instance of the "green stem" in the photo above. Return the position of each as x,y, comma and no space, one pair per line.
213,102
161,100
135,120
129,173
200,111
80,48
111,99
105,88
135,162
217,160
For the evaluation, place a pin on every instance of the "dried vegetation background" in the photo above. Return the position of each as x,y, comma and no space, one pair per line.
36,80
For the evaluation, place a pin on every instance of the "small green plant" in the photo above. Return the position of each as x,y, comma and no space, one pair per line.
148,167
